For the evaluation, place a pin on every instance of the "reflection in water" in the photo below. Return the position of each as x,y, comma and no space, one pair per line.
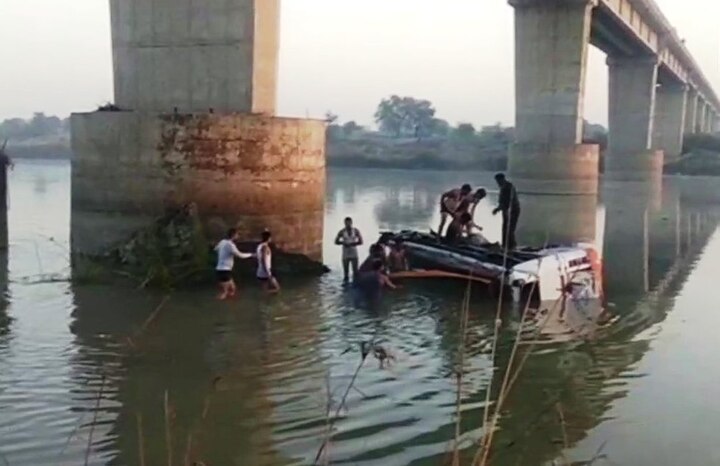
557,219
404,209
248,382
4,295
221,371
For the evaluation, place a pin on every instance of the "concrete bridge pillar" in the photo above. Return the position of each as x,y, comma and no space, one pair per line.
196,55
633,83
551,49
691,110
710,121
670,119
196,82
700,123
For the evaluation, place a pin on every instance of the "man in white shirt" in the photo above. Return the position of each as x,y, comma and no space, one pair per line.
349,238
227,252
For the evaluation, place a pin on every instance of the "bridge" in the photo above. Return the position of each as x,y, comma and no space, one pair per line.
657,91
196,82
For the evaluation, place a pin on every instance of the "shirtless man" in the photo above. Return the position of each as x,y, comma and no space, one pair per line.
372,282
397,260
449,202
479,195
377,253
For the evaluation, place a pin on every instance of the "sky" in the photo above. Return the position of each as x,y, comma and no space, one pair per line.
336,55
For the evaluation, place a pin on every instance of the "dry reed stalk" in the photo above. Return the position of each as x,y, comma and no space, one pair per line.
343,400
464,318
186,460
489,429
563,427
154,314
168,437
496,333
130,340
141,442
94,420
328,425
511,382
72,434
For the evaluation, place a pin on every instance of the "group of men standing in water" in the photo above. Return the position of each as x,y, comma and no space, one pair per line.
457,205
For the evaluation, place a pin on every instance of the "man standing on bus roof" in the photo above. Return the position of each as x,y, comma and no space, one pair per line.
509,205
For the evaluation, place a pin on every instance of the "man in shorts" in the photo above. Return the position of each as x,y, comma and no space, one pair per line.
227,252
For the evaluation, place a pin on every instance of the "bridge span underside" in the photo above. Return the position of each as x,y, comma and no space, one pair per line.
657,93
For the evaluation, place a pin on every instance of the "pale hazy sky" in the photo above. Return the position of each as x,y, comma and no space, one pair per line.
339,55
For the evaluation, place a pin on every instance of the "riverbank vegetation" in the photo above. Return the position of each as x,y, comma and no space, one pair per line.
40,137
407,134
701,156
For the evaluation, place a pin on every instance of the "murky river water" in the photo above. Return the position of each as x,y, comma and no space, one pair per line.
92,374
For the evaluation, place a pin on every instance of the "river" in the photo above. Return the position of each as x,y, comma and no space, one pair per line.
113,375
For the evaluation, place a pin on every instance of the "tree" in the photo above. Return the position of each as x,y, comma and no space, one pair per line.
14,128
440,127
465,131
42,125
595,134
405,116
350,127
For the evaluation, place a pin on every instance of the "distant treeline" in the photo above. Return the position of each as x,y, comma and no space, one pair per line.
701,156
409,135
39,126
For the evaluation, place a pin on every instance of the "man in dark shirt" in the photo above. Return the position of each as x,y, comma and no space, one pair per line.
509,205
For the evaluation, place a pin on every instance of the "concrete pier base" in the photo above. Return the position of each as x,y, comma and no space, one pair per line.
691,110
553,169
669,125
644,165
240,170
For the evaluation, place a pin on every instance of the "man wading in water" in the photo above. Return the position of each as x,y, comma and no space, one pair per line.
349,238
227,252
264,259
